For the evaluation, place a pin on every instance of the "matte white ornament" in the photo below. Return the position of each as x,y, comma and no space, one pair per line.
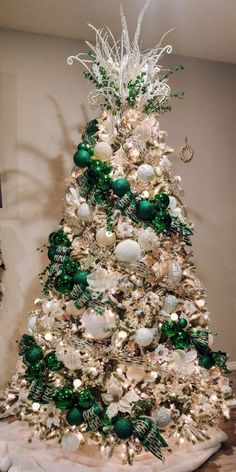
70,442
148,239
143,337
174,273
136,373
98,326
163,417
145,172
70,357
85,212
103,151
128,251
71,309
174,317
105,238
32,322
170,303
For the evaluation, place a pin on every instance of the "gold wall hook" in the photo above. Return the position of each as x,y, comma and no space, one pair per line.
187,152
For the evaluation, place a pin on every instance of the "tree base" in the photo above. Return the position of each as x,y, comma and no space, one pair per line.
18,455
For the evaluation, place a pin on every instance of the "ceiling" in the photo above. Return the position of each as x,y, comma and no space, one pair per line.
203,28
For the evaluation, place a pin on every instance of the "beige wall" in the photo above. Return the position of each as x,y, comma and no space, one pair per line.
42,109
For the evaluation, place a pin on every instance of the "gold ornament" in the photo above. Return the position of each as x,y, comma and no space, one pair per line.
187,152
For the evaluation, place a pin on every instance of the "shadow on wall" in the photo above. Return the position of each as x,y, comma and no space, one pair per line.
38,200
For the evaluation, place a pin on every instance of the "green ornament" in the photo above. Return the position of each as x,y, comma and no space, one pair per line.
80,278
95,168
63,283
33,354
105,182
83,146
28,340
106,421
70,266
60,239
182,323
35,370
123,428
162,221
91,151
169,329
52,362
107,167
120,186
86,399
50,237
181,340
82,158
52,250
206,360
63,398
145,210
75,417
161,201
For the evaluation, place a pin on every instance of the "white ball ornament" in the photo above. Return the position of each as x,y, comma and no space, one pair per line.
170,303
85,212
70,442
143,337
98,326
103,151
174,273
145,172
136,373
105,238
163,417
128,251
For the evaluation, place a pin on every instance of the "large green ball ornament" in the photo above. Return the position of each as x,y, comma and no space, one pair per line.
145,210
60,239
182,323
181,340
82,158
75,417
206,361
86,399
33,354
63,283
120,186
123,428
52,250
52,362
105,182
161,201
80,278
169,329
35,371
162,221
63,398
70,266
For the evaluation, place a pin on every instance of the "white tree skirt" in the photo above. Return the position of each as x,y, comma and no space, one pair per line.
17,455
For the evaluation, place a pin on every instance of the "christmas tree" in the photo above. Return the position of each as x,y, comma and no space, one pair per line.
119,348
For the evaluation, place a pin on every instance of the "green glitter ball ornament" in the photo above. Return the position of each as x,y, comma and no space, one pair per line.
161,201
60,239
52,250
75,417
52,362
86,399
63,283
162,221
206,360
35,370
82,158
123,428
104,182
181,340
120,186
169,329
70,266
80,278
182,323
33,354
63,398
145,210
